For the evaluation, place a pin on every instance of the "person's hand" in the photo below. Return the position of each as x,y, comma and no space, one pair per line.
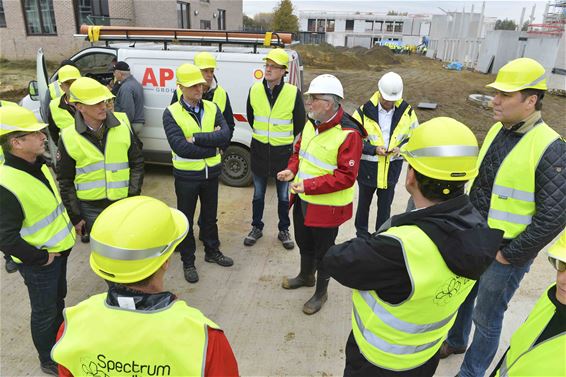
500,258
50,258
380,151
394,152
298,187
285,175
217,128
190,140
79,227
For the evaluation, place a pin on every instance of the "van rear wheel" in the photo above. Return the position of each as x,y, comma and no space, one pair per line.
236,167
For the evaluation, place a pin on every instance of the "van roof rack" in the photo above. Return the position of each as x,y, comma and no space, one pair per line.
95,33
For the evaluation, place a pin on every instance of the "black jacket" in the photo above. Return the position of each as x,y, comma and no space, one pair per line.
550,191
12,216
205,145
66,166
268,160
367,175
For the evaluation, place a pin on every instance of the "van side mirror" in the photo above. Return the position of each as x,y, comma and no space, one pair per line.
33,90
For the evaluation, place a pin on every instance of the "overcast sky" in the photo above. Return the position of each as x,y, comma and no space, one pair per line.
500,9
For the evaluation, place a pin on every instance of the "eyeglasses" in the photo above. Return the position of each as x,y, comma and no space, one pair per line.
558,265
273,66
312,98
29,133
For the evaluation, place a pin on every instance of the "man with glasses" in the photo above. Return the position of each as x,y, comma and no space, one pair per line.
323,168
100,159
277,115
520,190
35,229
537,347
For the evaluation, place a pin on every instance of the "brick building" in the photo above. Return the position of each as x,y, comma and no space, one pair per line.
26,25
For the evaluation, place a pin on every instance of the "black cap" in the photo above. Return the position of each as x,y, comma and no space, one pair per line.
122,66
68,62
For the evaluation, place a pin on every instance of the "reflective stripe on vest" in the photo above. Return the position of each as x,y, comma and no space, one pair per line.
402,132
55,90
61,117
543,359
122,342
97,175
273,126
512,203
405,335
318,156
189,125
46,224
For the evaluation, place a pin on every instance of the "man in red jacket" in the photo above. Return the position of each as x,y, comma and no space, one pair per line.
323,168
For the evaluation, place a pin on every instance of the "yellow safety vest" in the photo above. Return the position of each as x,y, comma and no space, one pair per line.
105,341
46,224
189,126
273,126
512,204
218,98
406,335
402,131
100,175
123,117
318,156
544,359
61,117
55,90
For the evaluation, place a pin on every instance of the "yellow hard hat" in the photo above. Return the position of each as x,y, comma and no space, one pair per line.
443,149
68,72
519,74
558,249
16,118
279,56
133,237
189,75
205,60
88,91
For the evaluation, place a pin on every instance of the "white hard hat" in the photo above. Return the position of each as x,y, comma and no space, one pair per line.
326,84
391,86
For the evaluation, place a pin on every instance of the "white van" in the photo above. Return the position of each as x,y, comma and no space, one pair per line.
153,64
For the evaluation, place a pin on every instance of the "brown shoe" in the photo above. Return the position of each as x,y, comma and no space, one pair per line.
446,350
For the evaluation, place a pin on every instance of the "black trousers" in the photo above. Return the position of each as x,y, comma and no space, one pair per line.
312,241
365,197
358,366
188,192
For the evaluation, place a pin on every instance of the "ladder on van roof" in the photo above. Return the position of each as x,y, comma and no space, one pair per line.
94,33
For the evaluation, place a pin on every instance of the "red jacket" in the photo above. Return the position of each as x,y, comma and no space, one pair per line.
344,176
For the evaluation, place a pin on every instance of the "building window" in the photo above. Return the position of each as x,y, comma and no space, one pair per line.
311,25
350,25
2,14
329,25
205,1
398,28
39,17
369,25
389,26
320,26
91,12
205,24
221,19
183,15
378,26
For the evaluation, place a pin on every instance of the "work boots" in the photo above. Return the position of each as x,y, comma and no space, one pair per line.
314,304
305,277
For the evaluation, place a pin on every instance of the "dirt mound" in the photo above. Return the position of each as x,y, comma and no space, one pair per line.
326,56
380,55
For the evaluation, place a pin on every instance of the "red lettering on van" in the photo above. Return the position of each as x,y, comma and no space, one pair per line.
165,74
149,78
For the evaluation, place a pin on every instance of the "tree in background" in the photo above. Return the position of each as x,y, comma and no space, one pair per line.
505,25
260,22
284,19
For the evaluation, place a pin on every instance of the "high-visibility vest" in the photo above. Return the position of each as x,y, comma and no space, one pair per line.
61,117
406,335
512,203
123,117
546,358
55,90
219,97
402,131
189,125
273,126
100,175
318,156
46,224
110,341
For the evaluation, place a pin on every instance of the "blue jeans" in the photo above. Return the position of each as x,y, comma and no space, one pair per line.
89,213
47,288
494,290
258,202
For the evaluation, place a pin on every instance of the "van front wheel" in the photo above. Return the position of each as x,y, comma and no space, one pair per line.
236,167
